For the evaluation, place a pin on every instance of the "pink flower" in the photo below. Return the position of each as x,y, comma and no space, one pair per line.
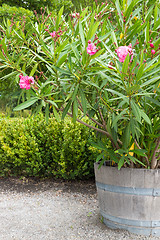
77,14
151,45
123,51
53,34
91,49
153,51
26,81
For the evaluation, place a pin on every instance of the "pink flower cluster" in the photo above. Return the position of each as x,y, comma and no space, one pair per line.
74,15
25,82
55,34
52,34
122,52
91,49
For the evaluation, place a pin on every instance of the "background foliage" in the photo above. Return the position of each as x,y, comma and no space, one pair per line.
120,98
31,147
37,5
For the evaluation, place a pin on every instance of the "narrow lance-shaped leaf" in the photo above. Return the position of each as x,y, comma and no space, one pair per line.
125,66
140,72
34,69
61,60
126,136
147,32
92,31
129,10
119,10
83,101
81,34
26,104
66,109
47,113
145,117
121,162
57,116
136,111
118,117
52,103
75,92
59,17
75,110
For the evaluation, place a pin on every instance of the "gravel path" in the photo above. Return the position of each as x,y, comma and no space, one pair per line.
53,210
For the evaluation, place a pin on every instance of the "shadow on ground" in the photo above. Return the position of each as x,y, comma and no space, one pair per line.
34,185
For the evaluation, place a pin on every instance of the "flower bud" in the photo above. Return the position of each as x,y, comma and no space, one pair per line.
153,51
151,45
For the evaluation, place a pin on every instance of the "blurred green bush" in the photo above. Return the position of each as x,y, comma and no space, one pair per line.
31,147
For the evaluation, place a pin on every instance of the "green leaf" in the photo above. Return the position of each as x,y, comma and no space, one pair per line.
129,10
81,34
152,72
139,152
37,110
59,17
61,47
134,88
8,75
125,66
121,162
126,136
56,114
150,64
26,104
97,54
154,101
140,72
75,110
114,39
149,14
52,103
47,113
119,117
110,52
66,109
145,117
133,159
61,60
75,50
132,127
83,101
136,111
147,32
75,92
99,157
33,69
152,80
92,30
119,10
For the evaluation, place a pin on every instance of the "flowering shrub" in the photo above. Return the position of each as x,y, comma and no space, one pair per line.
103,64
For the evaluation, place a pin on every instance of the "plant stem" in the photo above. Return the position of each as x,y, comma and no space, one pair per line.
96,129
154,160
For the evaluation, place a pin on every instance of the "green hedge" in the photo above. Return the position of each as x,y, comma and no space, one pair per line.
31,147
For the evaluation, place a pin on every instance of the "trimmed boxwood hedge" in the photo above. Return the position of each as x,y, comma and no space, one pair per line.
31,147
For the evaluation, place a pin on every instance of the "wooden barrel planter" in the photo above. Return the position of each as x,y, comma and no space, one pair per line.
129,199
